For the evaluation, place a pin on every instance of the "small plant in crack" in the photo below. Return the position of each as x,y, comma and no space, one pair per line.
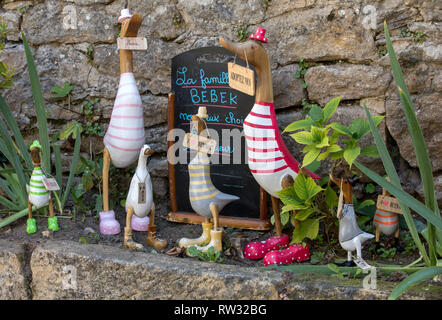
303,67
177,20
90,53
242,33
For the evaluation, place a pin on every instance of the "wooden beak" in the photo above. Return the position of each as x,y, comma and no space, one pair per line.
149,152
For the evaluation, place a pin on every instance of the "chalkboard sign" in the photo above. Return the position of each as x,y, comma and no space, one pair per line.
200,78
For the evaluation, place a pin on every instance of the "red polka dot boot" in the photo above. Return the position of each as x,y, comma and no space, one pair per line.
295,252
257,250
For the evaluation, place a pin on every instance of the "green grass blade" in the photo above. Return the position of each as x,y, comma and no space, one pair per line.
395,67
73,168
425,168
414,279
39,105
57,156
419,144
9,204
394,178
15,216
5,187
401,195
13,156
16,132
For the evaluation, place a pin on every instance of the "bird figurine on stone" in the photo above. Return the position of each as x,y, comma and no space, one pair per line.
205,199
139,203
39,196
270,162
125,135
351,237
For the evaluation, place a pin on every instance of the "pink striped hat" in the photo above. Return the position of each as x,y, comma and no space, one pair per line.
259,35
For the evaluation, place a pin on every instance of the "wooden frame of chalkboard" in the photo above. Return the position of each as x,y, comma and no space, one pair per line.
251,212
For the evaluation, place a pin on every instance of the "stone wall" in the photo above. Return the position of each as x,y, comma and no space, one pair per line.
341,40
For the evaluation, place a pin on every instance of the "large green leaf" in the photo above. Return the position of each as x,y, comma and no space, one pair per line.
39,106
310,157
300,124
330,108
394,178
306,229
370,151
351,153
414,279
303,137
305,187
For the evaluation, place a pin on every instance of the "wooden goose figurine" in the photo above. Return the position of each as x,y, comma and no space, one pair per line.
139,203
387,222
351,237
270,162
38,195
125,134
205,199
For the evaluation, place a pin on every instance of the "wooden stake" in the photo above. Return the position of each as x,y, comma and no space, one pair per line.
29,210
51,208
106,163
275,205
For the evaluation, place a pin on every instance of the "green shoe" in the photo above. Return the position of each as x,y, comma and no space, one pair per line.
31,226
53,223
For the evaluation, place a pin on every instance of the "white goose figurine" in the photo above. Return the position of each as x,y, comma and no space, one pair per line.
139,201
351,237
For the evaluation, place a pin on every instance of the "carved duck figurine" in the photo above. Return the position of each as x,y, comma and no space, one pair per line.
387,222
270,162
205,199
139,203
351,237
125,134
38,195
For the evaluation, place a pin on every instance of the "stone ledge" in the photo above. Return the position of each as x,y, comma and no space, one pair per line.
105,272
13,285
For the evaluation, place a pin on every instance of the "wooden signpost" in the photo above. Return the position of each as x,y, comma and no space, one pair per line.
200,78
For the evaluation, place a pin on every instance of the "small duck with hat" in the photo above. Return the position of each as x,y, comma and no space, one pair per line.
37,193
205,199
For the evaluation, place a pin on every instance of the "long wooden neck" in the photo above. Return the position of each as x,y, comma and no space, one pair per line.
264,87
126,61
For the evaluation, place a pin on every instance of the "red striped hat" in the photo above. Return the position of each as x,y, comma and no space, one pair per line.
259,35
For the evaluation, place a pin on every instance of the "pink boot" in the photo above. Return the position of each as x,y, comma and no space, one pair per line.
108,224
257,250
139,224
295,252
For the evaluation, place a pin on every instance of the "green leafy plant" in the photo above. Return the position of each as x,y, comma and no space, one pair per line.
317,257
311,203
369,188
90,50
15,177
303,67
242,33
63,92
417,36
430,210
210,255
321,138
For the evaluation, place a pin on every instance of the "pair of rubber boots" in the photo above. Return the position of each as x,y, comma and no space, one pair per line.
277,251
209,238
31,225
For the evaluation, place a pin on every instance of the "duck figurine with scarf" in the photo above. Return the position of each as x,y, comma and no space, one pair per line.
38,195
125,135
351,237
205,199
139,203
270,162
